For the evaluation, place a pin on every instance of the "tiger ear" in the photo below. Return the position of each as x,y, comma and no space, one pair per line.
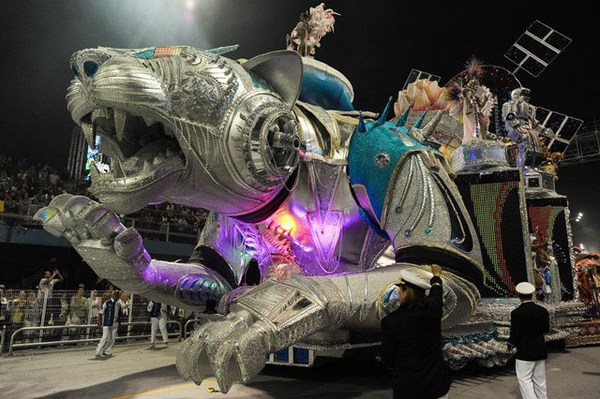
282,70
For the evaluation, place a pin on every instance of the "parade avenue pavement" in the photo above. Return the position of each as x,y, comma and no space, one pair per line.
136,372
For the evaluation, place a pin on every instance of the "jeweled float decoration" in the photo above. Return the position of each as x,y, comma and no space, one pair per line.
324,203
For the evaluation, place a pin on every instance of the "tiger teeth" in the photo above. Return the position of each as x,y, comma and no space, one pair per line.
100,113
89,132
120,118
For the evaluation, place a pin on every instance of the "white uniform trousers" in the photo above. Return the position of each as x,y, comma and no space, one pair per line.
532,378
113,336
155,324
107,338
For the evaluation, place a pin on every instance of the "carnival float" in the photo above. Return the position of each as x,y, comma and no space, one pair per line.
316,207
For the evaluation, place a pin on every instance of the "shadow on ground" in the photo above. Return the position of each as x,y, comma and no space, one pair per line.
337,378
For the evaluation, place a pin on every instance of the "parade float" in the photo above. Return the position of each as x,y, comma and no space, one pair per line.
315,206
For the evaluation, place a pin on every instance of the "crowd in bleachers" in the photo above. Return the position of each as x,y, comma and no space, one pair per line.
25,187
23,184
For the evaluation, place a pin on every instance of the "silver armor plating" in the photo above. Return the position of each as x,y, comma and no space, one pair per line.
175,124
523,127
198,129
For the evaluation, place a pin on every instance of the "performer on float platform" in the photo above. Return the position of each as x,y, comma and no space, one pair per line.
411,344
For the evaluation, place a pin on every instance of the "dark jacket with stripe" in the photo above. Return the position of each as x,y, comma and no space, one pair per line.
528,323
108,312
411,348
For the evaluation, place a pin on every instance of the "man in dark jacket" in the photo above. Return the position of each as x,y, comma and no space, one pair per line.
110,315
411,345
528,323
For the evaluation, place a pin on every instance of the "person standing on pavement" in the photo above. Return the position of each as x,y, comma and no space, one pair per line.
109,316
411,345
158,320
528,323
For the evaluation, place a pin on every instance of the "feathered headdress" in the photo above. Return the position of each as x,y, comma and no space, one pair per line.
314,24
474,70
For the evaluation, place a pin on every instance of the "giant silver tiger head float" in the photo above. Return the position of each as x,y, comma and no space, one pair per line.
172,120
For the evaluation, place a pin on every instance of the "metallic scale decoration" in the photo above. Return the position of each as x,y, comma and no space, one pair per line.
312,197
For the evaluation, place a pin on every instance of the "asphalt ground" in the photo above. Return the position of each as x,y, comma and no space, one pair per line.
136,372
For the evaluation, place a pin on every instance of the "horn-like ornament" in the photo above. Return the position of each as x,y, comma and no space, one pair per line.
404,117
384,114
430,127
362,128
420,121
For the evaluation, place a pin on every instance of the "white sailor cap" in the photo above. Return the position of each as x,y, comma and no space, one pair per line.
413,280
525,288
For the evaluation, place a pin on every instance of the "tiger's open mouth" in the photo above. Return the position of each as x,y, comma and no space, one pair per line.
135,154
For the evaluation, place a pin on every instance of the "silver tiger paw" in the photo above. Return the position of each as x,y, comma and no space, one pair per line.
233,350
112,250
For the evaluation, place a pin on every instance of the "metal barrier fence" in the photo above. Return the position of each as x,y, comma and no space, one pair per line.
31,318
2,335
93,327
199,320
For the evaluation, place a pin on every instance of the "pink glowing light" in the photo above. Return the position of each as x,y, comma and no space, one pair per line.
326,234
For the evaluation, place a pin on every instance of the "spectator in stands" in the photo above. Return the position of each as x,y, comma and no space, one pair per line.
32,315
158,320
3,307
54,179
24,202
78,312
3,312
124,304
53,305
64,310
164,223
17,311
182,223
24,188
47,282
96,305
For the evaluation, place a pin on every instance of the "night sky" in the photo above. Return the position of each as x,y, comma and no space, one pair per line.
375,44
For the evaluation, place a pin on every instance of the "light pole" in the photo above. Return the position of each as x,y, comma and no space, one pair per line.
577,218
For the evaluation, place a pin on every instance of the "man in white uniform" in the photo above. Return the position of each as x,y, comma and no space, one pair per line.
528,323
